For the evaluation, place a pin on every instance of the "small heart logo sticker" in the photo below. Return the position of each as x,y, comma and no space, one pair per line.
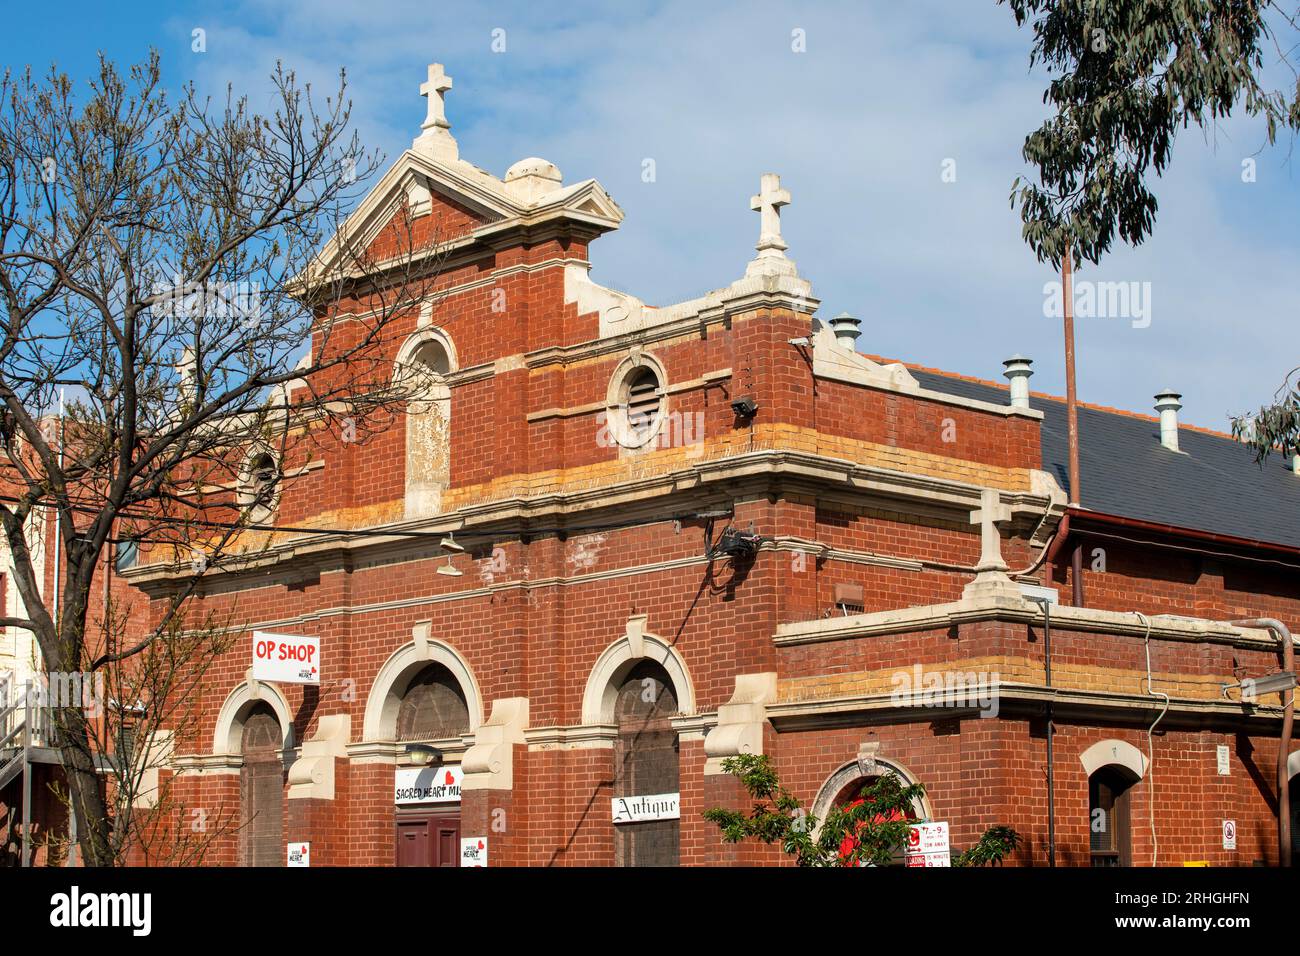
480,844
450,778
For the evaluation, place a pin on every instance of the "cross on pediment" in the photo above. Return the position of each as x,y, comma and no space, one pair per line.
771,197
988,516
433,89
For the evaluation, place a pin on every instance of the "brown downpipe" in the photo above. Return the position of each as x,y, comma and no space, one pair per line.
1072,415
1284,745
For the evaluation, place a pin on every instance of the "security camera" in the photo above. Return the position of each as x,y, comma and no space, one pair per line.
744,407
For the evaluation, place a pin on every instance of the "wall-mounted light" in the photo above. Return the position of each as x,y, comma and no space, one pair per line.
424,755
744,407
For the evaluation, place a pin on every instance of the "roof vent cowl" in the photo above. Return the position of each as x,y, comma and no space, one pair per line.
1167,404
1017,369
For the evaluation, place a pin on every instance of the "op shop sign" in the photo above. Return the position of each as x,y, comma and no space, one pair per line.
286,658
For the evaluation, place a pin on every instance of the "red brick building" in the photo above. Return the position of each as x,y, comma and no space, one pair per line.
616,543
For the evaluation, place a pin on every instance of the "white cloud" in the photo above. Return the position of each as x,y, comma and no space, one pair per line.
858,127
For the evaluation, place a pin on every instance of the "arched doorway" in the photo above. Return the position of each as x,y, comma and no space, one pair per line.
261,788
432,708
646,763
847,783
1110,832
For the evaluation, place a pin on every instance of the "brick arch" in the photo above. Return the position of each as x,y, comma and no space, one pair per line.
1119,753
396,674
849,772
239,703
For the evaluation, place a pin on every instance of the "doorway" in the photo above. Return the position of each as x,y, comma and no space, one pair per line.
427,837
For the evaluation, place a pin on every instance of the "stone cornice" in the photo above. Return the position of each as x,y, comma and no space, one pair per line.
1064,617
1018,701
762,466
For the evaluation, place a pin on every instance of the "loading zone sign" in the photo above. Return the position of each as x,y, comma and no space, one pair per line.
927,845
286,658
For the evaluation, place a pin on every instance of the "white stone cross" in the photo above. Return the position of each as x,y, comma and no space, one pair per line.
771,197
990,514
433,89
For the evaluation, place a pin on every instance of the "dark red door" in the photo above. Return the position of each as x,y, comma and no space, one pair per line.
428,838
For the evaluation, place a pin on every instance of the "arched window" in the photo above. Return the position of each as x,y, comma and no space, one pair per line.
433,707
259,485
261,789
421,375
1110,840
646,763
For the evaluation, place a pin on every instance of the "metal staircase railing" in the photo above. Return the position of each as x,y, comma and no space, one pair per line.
24,726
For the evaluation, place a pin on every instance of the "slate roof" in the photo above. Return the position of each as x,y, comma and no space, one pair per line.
1216,486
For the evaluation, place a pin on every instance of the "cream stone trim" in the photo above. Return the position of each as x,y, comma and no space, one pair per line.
620,657
234,711
1105,753
1105,705
866,482
1293,764
157,754
741,720
489,763
393,752
579,737
1017,610
380,721
312,775
208,765
421,336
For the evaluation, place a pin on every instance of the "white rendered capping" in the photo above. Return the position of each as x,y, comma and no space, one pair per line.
380,722
475,188
832,362
1016,609
1105,753
850,772
619,658
226,740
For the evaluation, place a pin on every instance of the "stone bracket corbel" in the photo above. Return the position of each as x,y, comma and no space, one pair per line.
489,763
740,721
636,635
312,775
420,634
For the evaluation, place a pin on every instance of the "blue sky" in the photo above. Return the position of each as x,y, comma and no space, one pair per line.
859,126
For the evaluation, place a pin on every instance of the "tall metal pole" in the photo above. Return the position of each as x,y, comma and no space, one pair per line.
1072,417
